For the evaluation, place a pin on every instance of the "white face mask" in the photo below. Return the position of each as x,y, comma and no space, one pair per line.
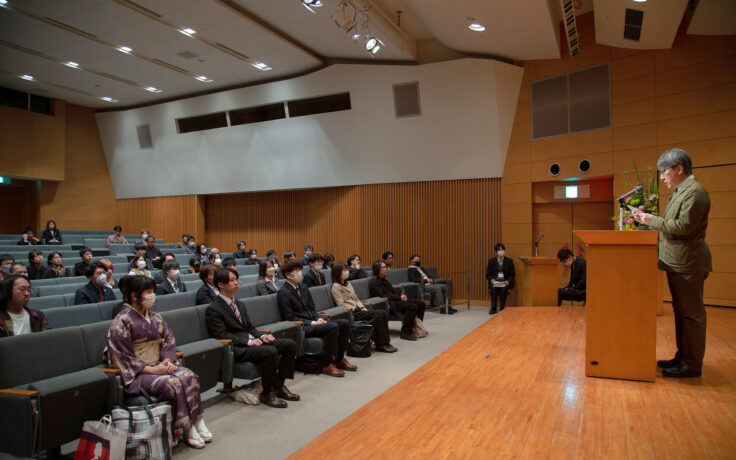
345,275
144,237
101,279
296,276
318,267
191,244
254,256
241,247
568,262
141,264
218,261
204,251
174,274
500,252
271,271
149,300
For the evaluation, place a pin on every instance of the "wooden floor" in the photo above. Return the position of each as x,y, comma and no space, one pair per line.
515,388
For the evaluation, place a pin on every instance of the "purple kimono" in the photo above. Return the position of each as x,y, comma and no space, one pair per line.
134,342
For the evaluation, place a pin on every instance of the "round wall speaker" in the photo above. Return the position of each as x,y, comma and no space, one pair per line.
584,166
554,169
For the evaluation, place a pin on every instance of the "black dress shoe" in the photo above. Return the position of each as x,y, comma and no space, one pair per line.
385,348
270,399
409,337
393,348
681,371
284,393
443,310
667,363
492,312
452,310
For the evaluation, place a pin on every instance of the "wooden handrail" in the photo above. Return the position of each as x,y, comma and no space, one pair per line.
265,331
111,371
225,341
19,392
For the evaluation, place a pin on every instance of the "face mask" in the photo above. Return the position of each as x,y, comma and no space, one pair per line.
191,244
241,247
24,275
568,263
500,252
174,274
101,279
218,261
52,226
141,264
418,264
254,256
204,251
345,275
6,269
144,236
149,300
271,271
318,267
296,277
309,253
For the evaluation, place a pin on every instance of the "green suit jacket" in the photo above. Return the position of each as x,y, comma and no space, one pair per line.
682,246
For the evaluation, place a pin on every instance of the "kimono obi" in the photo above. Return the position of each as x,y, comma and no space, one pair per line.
149,351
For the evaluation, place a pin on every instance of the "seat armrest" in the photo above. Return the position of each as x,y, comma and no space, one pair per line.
300,323
324,315
19,392
111,371
347,308
225,341
265,331
179,354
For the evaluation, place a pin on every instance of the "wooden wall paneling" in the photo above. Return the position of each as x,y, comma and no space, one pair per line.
165,217
19,207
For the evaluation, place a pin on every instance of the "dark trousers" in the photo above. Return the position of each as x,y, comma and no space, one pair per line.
690,320
498,294
273,370
409,309
379,321
336,334
578,295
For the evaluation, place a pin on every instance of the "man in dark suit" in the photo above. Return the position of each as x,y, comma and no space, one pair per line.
296,304
307,253
314,277
685,256
440,289
96,290
501,275
153,253
227,318
575,289
80,268
171,284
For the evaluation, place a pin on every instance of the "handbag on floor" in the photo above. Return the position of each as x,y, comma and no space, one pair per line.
361,337
101,440
419,329
248,394
148,430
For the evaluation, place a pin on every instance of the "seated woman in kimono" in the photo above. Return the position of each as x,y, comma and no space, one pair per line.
142,346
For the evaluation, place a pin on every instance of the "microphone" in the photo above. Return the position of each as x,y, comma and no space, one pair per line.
538,239
633,191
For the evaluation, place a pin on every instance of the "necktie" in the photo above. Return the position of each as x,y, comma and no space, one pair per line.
176,287
102,295
235,310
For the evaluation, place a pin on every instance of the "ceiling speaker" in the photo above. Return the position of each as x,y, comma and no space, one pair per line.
584,166
406,99
554,169
144,137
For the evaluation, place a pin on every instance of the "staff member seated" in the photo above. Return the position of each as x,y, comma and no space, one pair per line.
354,268
313,277
51,235
267,281
15,317
26,237
97,289
345,296
439,289
409,309
241,253
501,275
208,292
575,289
296,304
227,318
252,257
172,284
116,237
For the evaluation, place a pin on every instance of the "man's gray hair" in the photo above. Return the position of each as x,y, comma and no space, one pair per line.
675,157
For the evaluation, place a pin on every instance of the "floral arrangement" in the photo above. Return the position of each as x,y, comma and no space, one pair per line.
646,200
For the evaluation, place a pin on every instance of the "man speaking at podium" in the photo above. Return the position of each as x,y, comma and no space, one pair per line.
685,256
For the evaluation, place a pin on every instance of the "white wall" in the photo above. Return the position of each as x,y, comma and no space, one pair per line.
467,113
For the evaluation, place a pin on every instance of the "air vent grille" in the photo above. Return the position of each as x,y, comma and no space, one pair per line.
633,22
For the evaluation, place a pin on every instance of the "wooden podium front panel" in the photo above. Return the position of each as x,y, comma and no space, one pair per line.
621,311
540,281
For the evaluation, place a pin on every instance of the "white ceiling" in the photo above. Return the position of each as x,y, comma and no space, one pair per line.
37,36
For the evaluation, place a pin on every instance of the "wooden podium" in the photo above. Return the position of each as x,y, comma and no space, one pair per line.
622,296
539,288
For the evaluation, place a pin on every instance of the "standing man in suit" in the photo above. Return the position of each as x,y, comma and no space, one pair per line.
500,270
296,304
314,277
227,318
171,284
575,289
307,254
685,256
153,253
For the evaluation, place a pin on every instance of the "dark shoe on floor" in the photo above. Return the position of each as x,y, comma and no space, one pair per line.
452,310
270,399
385,348
681,371
666,364
332,371
284,393
346,366
443,310
492,312
410,337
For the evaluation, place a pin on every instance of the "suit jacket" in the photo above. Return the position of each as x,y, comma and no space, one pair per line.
39,273
265,288
578,274
356,273
509,272
311,279
166,288
152,253
88,293
240,255
682,246
415,276
304,260
297,304
48,235
79,268
223,324
205,295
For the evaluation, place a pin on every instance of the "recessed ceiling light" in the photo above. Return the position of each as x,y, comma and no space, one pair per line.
125,49
3,2
108,99
152,89
188,31
640,1
27,77
203,78
261,66
72,64
476,27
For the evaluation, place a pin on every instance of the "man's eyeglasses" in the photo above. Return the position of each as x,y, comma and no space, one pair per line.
661,172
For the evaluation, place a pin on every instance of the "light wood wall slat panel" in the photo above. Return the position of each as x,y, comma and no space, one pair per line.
165,217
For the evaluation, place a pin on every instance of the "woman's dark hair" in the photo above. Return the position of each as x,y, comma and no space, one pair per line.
56,227
194,261
199,247
337,269
262,267
6,257
376,268
328,258
222,275
270,253
123,283
290,266
118,228
134,261
51,256
6,289
499,246
213,255
386,254
27,229
289,254
205,271
32,254
251,251
137,285
352,258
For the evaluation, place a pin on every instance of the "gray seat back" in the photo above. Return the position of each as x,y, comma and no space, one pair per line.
247,269
246,290
69,299
76,315
361,288
106,309
49,301
58,289
43,282
193,285
172,302
327,273
72,280
262,309
398,276
95,341
322,297
121,248
96,243
184,324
